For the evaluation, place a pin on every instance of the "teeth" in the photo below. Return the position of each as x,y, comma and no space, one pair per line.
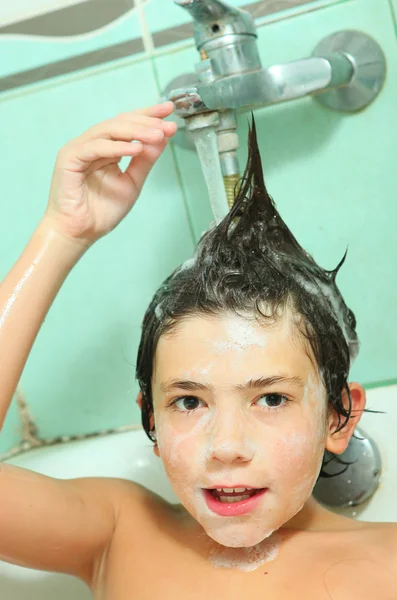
233,490
231,500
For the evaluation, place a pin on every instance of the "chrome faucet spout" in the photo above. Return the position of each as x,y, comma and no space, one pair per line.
346,72
279,83
208,11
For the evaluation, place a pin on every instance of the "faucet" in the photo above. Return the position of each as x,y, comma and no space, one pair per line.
346,72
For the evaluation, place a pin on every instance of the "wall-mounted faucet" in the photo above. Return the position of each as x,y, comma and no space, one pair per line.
346,72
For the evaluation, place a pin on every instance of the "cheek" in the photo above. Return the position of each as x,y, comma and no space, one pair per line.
182,452
297,461
298,456
293,452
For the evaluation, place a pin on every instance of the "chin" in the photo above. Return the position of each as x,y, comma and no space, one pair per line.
235,536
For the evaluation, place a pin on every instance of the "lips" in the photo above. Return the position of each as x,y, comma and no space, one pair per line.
229,502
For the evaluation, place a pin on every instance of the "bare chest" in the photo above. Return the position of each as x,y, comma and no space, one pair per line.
190,585
172,575
161,557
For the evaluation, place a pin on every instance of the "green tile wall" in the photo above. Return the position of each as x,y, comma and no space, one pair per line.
332,175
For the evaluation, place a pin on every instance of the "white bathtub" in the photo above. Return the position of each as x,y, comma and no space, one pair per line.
130,455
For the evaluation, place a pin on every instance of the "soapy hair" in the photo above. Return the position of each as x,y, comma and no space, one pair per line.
251,263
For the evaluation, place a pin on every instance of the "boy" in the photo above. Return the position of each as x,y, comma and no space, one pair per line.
243,367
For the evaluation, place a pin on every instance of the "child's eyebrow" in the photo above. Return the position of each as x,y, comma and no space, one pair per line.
260,382
268,381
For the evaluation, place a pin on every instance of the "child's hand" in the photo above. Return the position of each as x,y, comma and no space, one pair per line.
89,193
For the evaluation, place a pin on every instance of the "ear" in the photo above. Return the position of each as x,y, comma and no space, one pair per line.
338,442
139,403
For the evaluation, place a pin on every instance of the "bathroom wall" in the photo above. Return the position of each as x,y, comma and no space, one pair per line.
332,176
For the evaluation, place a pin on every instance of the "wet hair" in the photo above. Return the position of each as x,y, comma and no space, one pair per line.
251,263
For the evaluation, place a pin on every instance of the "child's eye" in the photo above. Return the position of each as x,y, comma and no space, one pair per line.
187,403
272,401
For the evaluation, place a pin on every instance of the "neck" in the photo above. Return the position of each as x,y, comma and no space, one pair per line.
312,517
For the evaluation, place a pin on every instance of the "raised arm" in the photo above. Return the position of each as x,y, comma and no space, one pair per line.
45,523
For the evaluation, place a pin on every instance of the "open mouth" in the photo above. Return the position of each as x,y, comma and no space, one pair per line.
233,501
231,495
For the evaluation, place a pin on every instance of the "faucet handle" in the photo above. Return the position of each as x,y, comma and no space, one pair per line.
214,19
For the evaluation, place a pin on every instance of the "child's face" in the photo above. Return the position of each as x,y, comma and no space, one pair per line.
239,404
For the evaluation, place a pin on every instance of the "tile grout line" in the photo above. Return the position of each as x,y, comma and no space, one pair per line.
32,440
140,5
146,35
379,384
296,12
176,164
393,14
184,195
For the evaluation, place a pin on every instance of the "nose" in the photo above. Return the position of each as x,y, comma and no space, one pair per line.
230,440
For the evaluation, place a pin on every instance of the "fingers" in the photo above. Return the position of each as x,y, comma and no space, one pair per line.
124,130
112,139
164,109
85,154
126,125
140,167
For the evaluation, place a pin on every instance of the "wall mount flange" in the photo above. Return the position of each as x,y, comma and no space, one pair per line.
369,70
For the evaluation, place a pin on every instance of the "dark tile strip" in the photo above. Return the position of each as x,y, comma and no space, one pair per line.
257,10
125,49
269,7
71,20
70,65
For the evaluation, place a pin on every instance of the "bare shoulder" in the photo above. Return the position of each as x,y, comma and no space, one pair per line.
143,520
123,494
387,535
79,517
362,540
132,502
362,561
380,539
136,513
381,530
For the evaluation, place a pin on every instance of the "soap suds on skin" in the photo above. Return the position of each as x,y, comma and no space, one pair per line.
178,439
205,371
247,559
241,335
